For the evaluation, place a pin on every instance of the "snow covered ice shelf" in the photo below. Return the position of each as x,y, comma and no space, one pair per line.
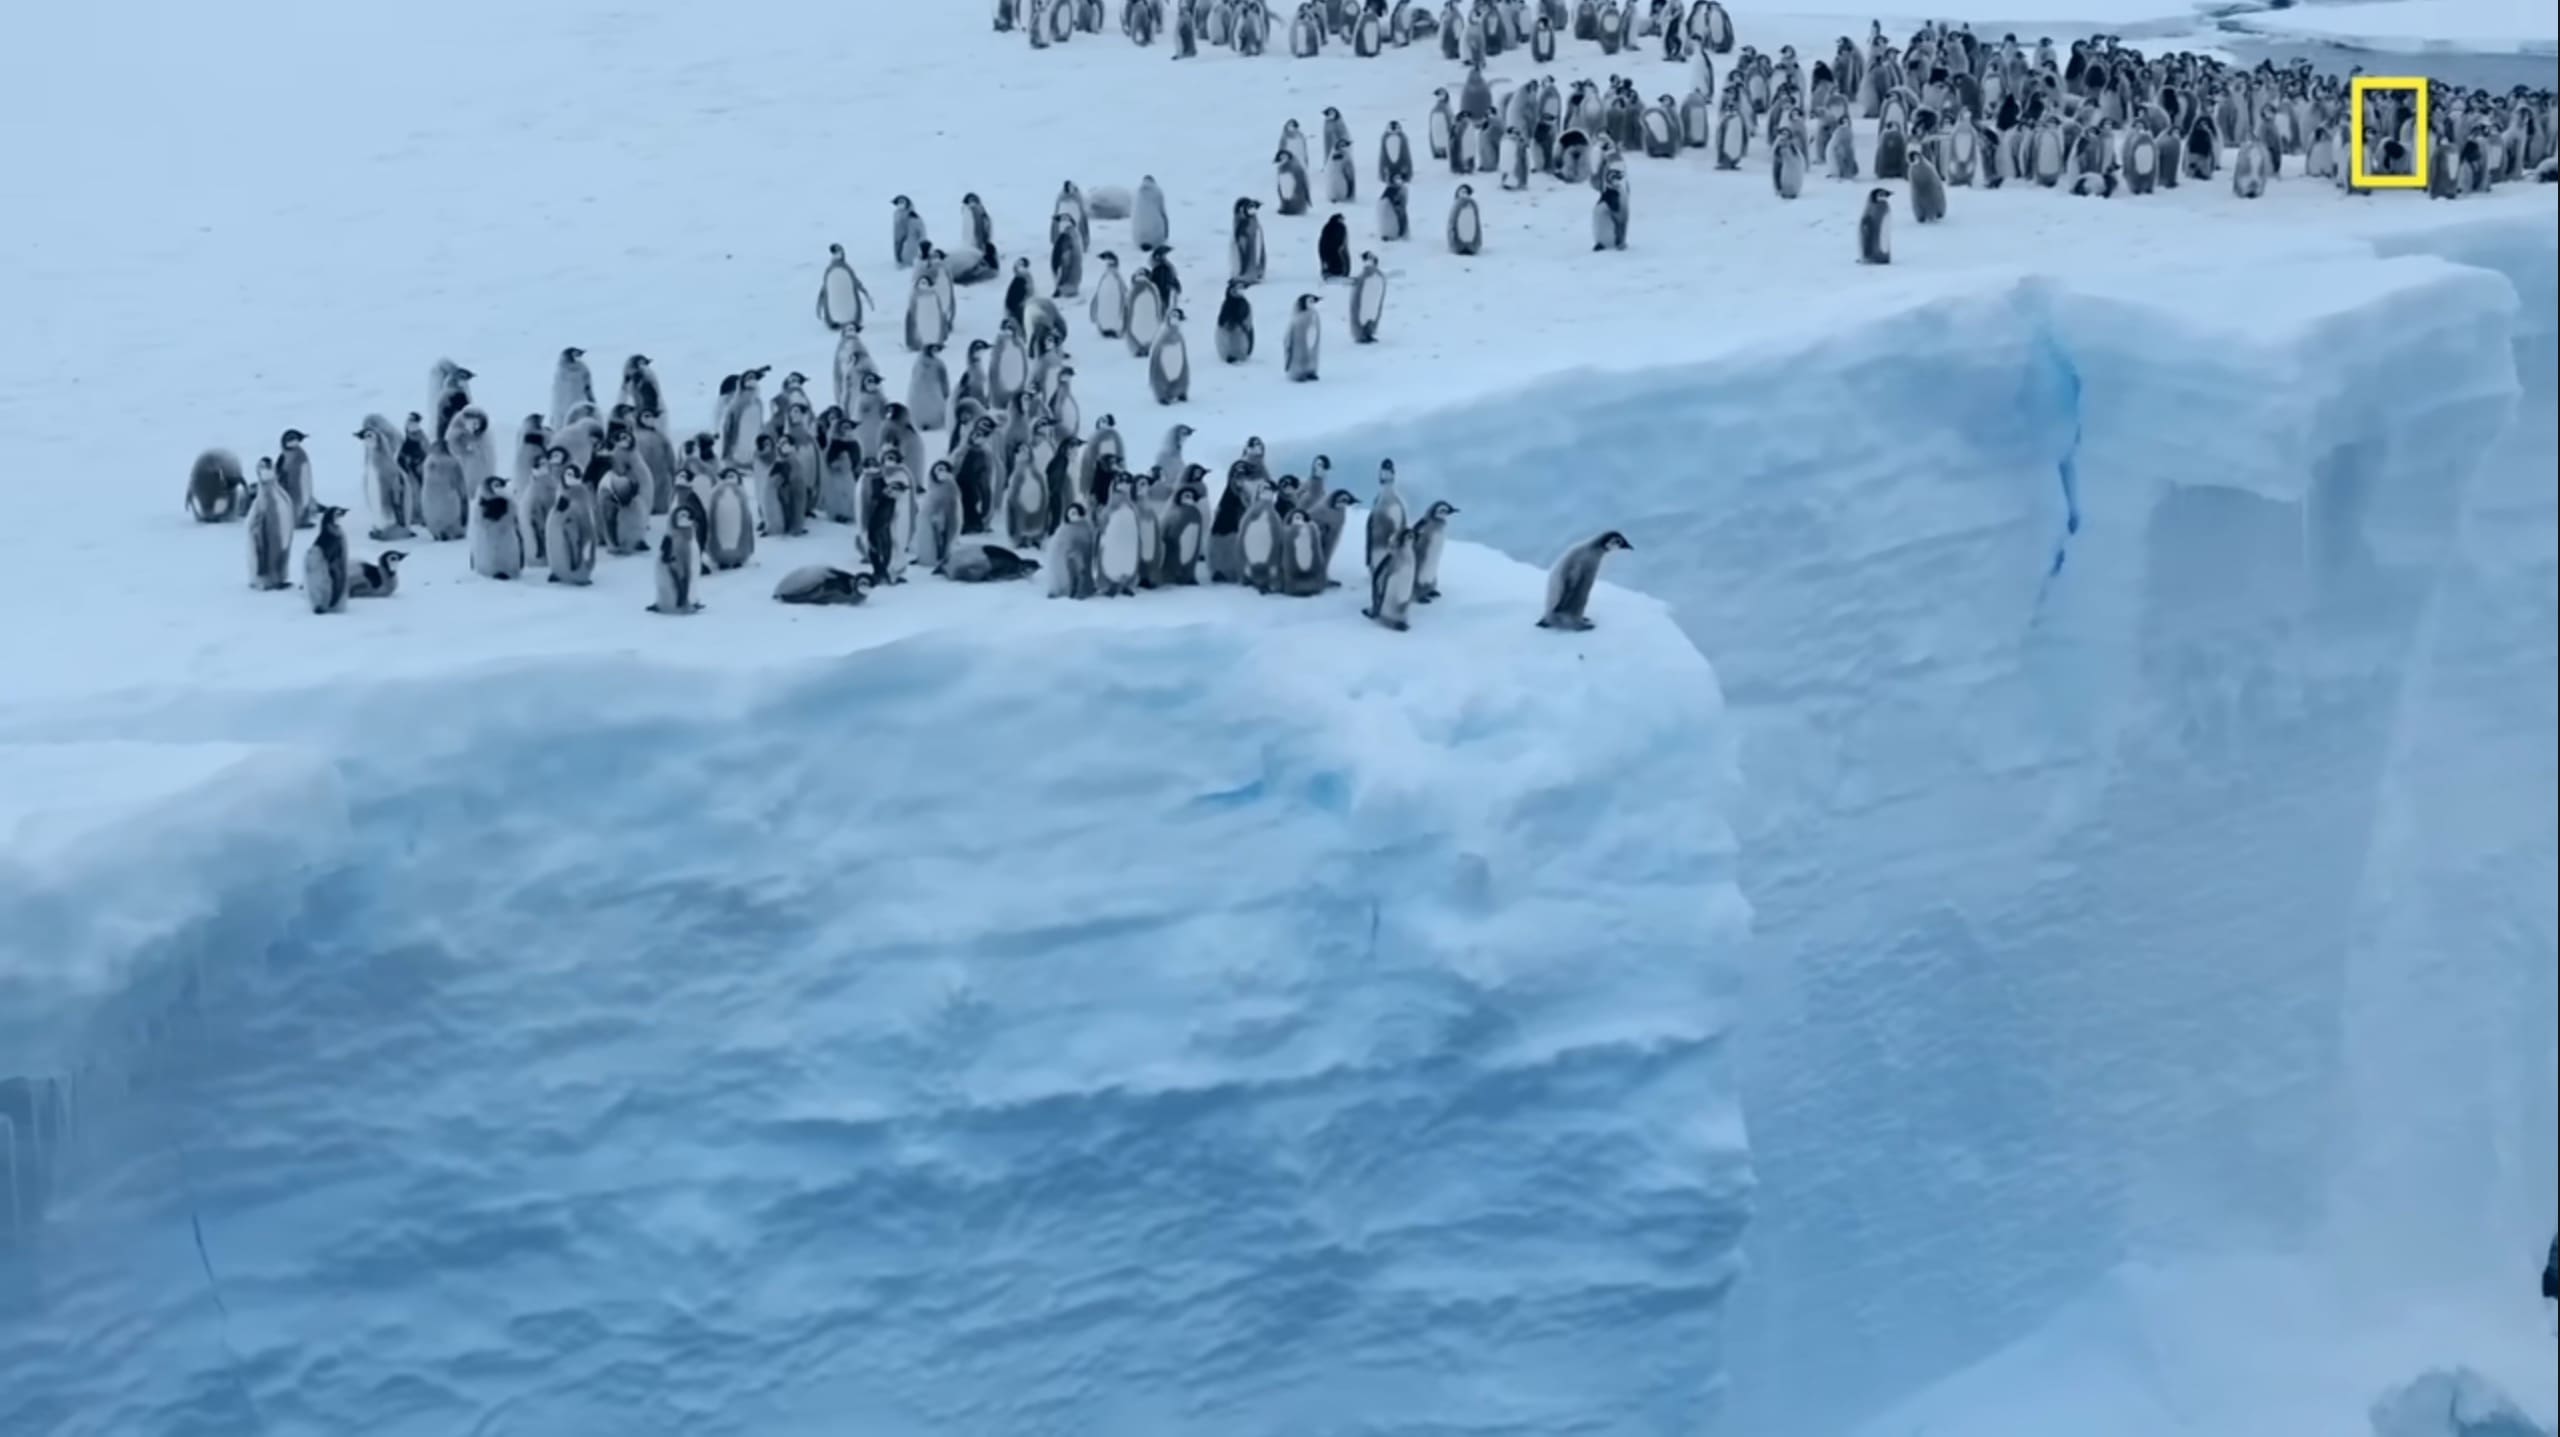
2137,908
1191,1013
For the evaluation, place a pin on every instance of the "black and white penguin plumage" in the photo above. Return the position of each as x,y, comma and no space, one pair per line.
1609,219
217,492
1066,258
270,530
1291,176
1329,513
1928,192
1395,155
1246,257
324,564
1182,537
676,567
977,562
907,239
376,578
1386,513
822,584
1235,325
569,541
1169,362
1072,555
497,539
1570,581
1306,338
1466,225
571,385
1148,225
1875,226
729,538
1368,300
841,297
929,390
1116,543
1145,316
1110,307
1395,220
1430,540
937,516
1391,583
293,467
1341,177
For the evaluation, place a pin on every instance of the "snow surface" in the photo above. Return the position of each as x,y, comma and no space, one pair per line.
2419,26
2168,930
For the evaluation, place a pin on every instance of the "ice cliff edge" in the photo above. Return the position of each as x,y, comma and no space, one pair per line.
1161,1015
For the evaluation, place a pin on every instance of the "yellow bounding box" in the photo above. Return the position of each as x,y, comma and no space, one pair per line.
2364,150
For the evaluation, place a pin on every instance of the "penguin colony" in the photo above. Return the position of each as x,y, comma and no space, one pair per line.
1020,475
1951,111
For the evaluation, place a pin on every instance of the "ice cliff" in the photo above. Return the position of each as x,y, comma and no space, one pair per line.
2144,687
1199,1014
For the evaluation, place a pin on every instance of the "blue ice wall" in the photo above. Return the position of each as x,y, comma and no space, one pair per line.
2059,870
1256,1025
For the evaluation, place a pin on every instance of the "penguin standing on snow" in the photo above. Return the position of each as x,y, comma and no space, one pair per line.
1466,226
1235,325
1875,224
1928,191
1333,249
1304,338
1110,298
1292,183
1386,513
571,384
907,239
1368,300
1395,219
1066,258
841,297
1147,222
1245,255
324,564
676,567
1169,362
1609,218
1395,155
497,540
1569,583
270,530
293,466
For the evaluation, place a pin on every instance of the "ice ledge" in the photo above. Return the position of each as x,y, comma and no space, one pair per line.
125,863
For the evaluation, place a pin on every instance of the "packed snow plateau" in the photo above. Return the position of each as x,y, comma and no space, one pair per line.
2137,619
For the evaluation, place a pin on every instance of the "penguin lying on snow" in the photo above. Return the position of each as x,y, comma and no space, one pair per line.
822,584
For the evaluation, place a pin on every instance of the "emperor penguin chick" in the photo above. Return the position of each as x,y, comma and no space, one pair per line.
270,530
1875,238
1305,336
497,540
677,564
1430,540
1569,583
324,564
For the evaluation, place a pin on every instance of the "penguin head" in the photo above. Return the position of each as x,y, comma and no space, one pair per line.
291,438
1109,259
266,469
1022,265
556,457
1341,499
1880,198
572,355
1466,192
461,375
901,202
1331,113
391,559
1306,302
1174,315
1613,540
415,419
1075,513
1440,509
835,251
970,199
